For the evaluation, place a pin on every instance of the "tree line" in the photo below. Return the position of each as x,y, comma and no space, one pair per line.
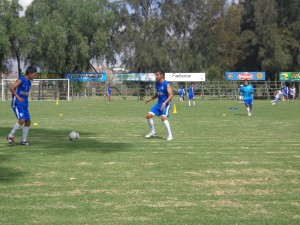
211,36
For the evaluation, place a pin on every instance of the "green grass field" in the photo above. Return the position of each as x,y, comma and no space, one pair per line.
231,169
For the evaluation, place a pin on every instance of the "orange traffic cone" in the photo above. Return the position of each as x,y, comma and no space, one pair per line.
174,110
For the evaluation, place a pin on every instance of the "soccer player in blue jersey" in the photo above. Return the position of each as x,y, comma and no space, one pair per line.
191,95
162,107
108,93
247,91
20,92
181,94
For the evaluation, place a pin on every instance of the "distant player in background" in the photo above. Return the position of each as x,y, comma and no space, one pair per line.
162,107
247,91
181,94
108,93
277,96
286,92
293,93
20,91
241,96
191,95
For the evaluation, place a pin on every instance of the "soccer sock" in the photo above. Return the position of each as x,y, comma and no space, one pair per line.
14,130
189,103
151,125
167,124
248,109
25,133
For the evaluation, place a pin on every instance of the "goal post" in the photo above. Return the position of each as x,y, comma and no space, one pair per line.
41,89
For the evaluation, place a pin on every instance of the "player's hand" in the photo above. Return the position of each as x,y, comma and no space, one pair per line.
21,99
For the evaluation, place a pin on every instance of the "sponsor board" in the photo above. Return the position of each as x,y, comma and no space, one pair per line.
245,76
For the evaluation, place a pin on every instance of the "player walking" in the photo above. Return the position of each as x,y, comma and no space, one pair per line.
191,95
293,93
241,96
286,92
20,92
181,94
162,107
108,93
247,91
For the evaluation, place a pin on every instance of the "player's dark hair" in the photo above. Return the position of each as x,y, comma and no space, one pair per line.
161,72
30,70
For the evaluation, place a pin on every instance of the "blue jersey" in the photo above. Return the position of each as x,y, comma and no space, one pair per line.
108,90
286,91
247,92
23,91
162,91
191,92
181,92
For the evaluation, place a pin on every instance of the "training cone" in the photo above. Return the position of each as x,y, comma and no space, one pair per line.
57,101
174,110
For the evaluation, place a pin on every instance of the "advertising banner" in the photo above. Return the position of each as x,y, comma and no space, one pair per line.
185,77
245,76
137,77
86,77
42,75
289,76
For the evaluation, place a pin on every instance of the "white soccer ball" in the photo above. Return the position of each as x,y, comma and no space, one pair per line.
73,136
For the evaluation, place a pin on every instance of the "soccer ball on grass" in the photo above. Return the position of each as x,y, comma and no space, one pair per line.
73,136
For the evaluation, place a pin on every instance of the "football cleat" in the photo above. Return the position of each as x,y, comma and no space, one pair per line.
170,138
25,143
11,140
150,135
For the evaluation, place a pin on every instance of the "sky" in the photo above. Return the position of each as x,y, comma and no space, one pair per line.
25,3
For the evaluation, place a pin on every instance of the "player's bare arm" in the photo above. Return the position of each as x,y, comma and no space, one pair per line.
152,98
13,90
170,96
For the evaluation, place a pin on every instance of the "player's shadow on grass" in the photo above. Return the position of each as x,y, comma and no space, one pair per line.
57,142
8,174
239,114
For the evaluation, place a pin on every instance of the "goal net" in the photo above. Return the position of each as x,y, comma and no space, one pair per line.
41,89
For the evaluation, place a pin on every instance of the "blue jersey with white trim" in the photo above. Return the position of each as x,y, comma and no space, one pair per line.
23,91
181,92
108,90
247,92
162,91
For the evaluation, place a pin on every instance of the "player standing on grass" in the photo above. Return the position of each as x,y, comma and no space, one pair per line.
162,107
191,95
108,93
20,92
247,91
181,94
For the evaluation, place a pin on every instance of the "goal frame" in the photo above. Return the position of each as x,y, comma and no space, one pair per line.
3,83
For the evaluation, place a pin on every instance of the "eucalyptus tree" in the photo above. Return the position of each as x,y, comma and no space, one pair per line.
270,36
69,34
143,35
4,49
14,29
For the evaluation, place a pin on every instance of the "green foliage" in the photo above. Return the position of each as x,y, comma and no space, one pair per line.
142,35
230,169
69,34
16,31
